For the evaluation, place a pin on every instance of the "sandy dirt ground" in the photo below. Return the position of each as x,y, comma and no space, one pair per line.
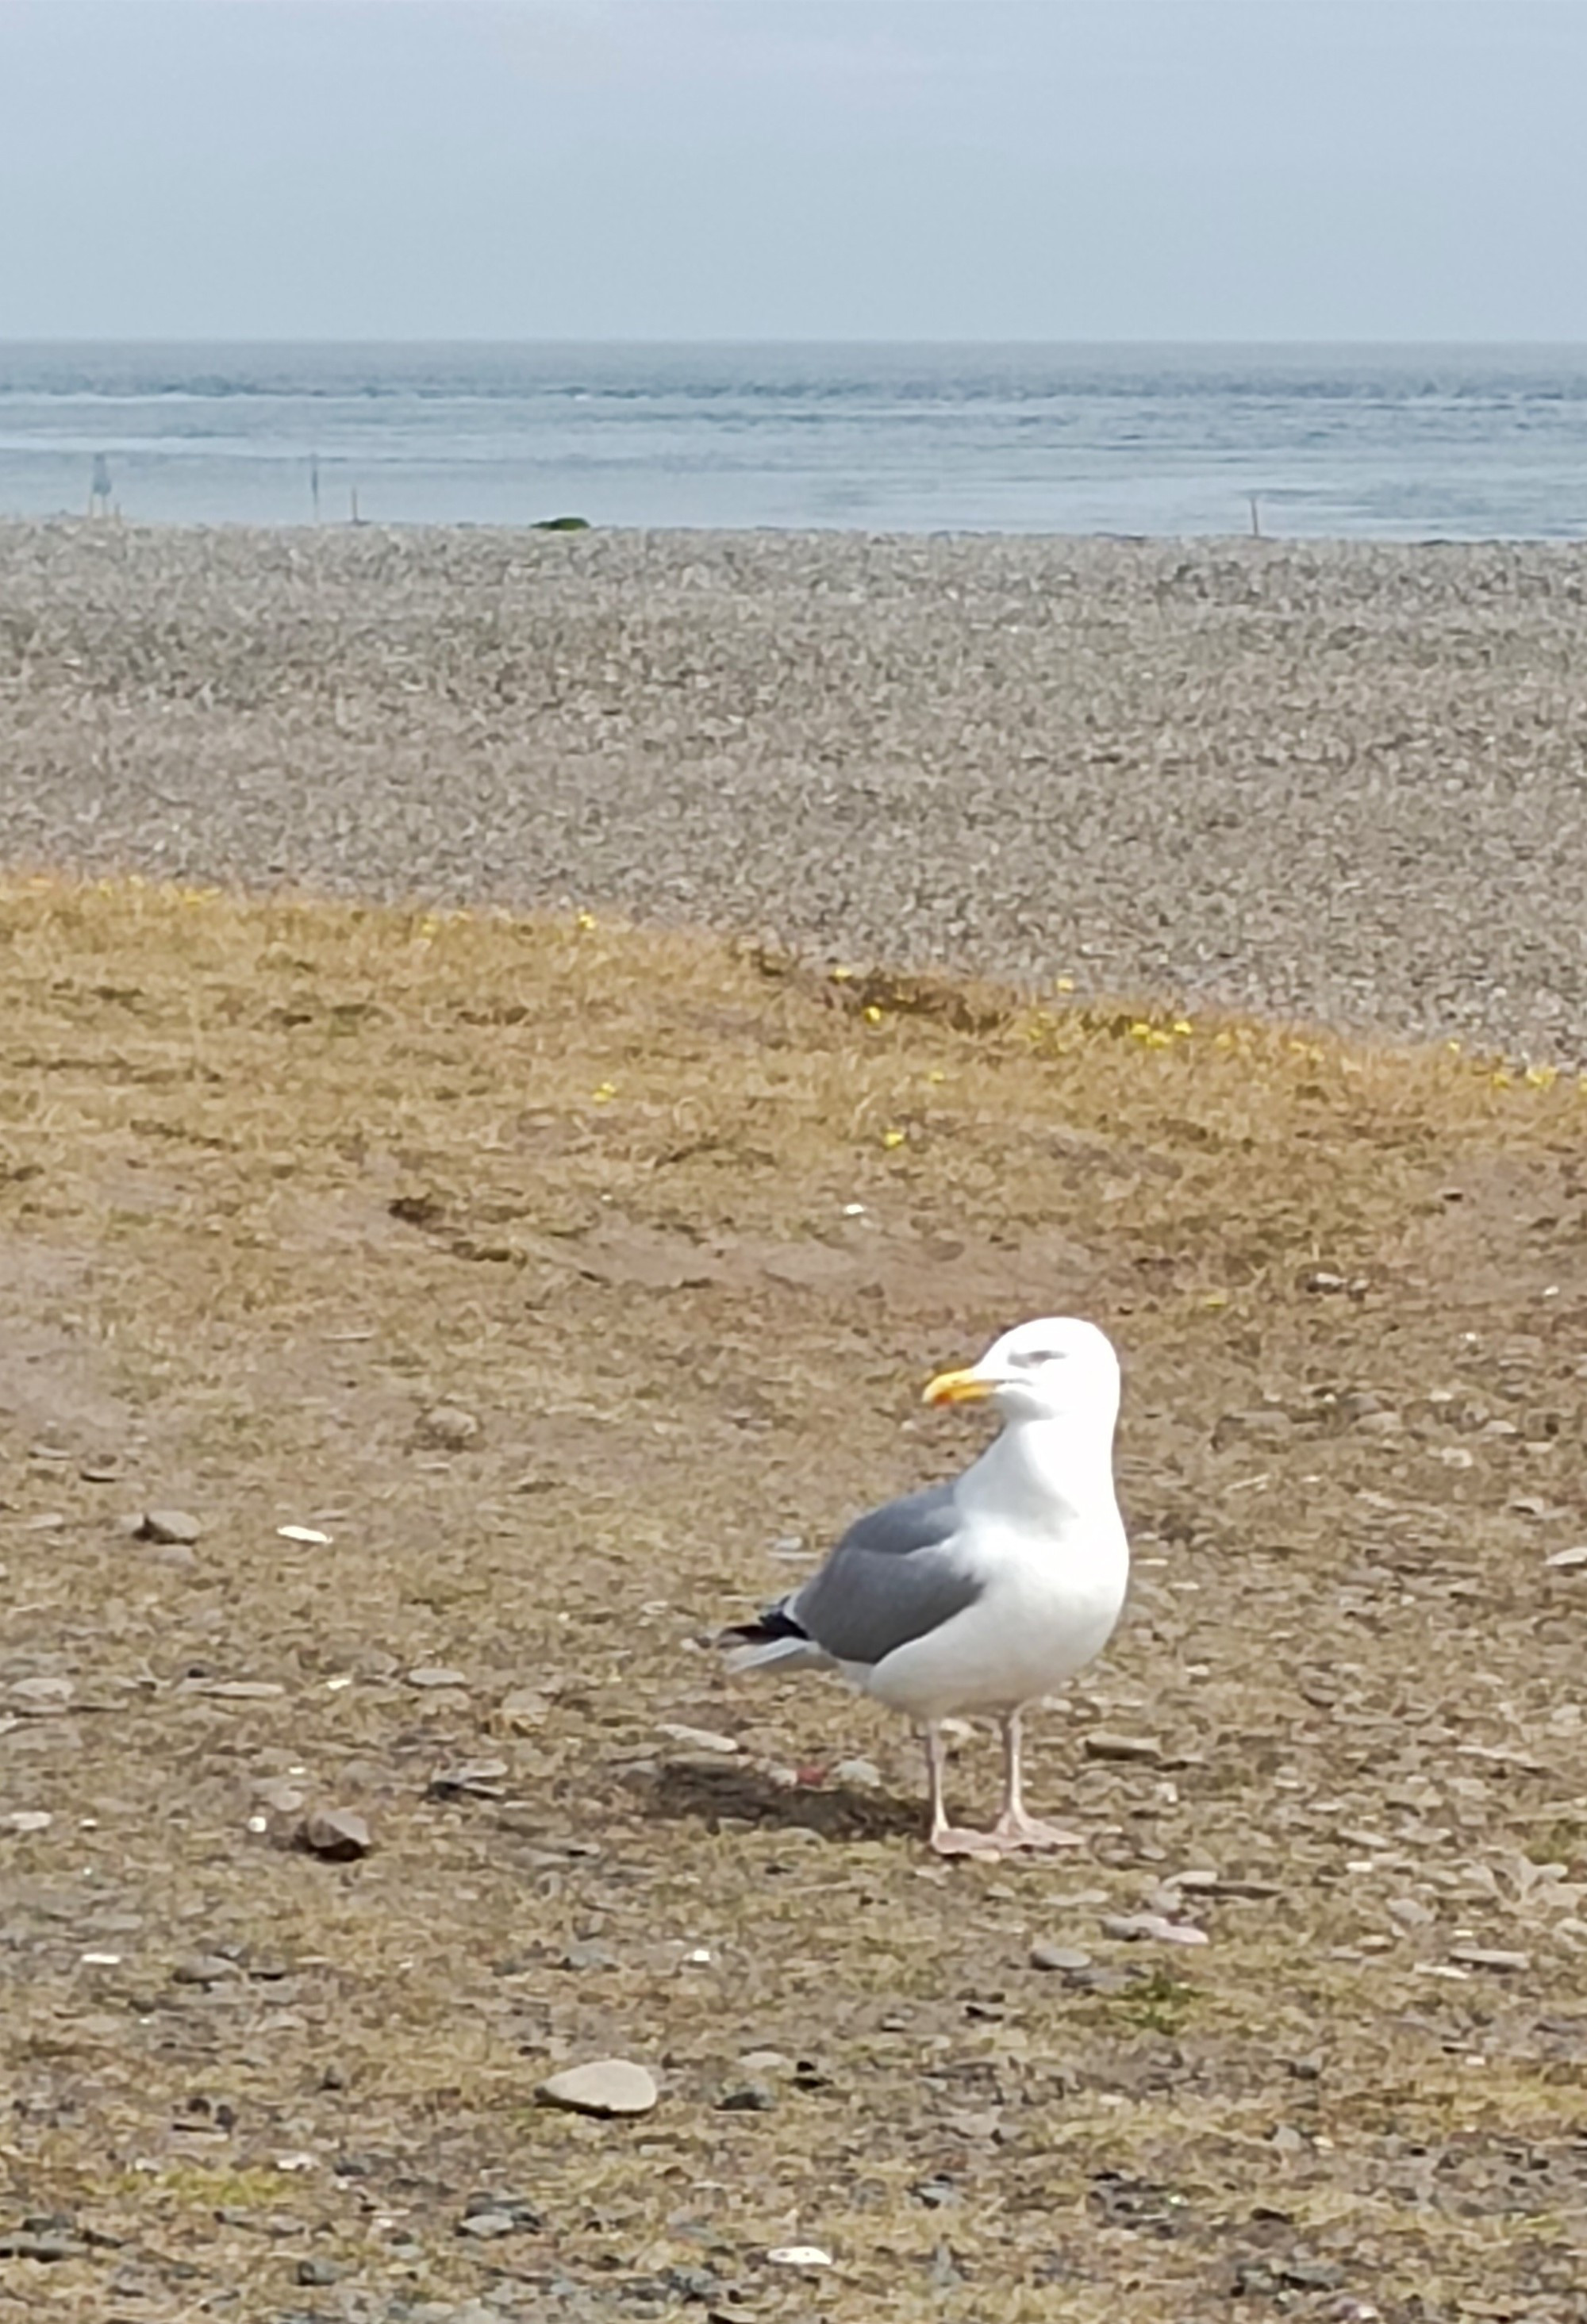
578,1284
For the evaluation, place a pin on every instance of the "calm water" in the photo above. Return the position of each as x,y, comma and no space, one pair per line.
1385,443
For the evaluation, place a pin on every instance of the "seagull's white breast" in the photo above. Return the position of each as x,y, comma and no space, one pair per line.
1049,1603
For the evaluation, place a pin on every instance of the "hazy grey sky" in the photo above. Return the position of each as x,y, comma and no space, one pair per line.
814,169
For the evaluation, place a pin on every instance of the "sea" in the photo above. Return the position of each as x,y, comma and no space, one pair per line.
1403,443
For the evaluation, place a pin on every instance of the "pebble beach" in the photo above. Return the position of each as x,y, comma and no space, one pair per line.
1340,783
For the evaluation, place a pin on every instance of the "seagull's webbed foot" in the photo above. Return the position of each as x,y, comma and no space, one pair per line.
953,1840
1014,1831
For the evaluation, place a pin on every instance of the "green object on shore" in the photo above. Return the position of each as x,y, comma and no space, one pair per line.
562,524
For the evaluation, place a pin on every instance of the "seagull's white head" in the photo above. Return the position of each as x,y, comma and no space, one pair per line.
1058,1368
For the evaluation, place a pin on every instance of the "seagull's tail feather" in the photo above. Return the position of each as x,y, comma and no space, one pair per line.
774,1640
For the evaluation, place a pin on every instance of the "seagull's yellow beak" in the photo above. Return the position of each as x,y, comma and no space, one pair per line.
957,1388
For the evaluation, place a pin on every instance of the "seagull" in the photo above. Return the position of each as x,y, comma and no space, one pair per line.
985,1593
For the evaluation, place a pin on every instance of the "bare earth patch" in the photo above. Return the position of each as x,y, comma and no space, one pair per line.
560,1276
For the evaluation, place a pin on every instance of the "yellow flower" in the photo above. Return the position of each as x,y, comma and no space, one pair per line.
1542,1076
1140,1030
1500,1080
1183,1027
1064,984
892,1137
605,1093
937,1075
1215,1299
583,921
1454,1047
842,975
872,1014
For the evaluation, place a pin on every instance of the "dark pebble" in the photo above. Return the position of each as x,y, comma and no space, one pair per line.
695,2284
45,2248
935,2193
747,2098
337,1834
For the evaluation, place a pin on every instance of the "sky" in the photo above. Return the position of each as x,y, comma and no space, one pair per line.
904,169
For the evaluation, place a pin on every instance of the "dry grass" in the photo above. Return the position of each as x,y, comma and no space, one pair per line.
281,1177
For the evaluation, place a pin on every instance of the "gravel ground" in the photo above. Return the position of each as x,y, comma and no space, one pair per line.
1341,782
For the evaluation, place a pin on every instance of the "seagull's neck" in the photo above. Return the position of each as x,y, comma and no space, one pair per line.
1048,1470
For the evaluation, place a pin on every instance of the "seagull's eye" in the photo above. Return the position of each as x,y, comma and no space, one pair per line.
1036,1356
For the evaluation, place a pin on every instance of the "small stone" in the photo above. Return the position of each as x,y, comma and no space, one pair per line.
747,2098
310,1536
1100,1980
436,1674
1062,1957
798,2255
22,1819
204,1969
42,1694
1488,1957
861,1775
238,1690
47,2249
607,2086
698,1738
1265,1424
99,1471
518,1713
51,1522
1133,1927
175,1554
487,2225
169,1525
320,2271
584,1956
1379,1423
1145,1748
699,2284
521,2215
278,1794
480,1779
1565,1558
1310,2274
935,2193
1324,1281
337,1834
447,1427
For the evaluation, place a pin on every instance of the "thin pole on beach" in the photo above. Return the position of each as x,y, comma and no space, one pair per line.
1256,515
353,504
314,483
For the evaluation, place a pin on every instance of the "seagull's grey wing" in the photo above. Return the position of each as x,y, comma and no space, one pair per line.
892,1578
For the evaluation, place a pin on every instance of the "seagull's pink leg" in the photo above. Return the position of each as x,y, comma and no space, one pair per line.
948,1839
1015,1829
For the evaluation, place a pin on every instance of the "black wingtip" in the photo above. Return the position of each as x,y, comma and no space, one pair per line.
766,1629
